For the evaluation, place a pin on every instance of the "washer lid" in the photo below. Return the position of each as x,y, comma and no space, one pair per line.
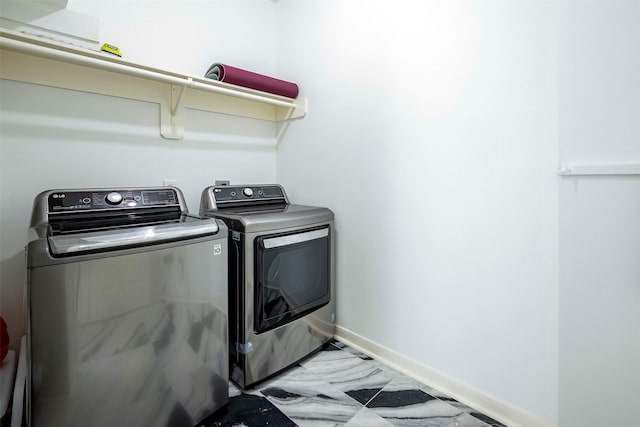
249,219
122,238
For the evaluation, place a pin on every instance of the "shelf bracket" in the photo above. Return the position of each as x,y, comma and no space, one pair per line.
172,112
178,102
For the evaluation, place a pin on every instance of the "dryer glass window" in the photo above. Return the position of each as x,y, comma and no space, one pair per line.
292,276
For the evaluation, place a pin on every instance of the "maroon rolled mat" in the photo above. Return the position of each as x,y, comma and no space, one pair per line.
237,76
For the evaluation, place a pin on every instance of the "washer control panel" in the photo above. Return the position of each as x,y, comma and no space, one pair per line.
67,201
247,193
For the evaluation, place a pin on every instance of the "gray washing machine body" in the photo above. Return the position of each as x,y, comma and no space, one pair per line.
128,314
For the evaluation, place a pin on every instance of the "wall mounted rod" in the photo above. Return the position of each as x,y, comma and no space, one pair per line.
602,170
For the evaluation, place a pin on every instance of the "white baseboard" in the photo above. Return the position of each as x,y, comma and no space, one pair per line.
489,405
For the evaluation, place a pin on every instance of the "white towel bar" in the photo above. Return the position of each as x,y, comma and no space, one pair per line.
585,170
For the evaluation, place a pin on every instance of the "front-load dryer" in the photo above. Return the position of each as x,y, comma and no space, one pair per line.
281,277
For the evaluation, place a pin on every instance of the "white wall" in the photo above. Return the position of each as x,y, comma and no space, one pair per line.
53,138
433,134
600,216
187,36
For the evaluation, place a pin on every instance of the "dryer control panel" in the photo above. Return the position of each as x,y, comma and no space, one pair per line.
226,193
228,197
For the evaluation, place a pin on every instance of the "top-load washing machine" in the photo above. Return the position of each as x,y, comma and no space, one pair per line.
127,316
281,277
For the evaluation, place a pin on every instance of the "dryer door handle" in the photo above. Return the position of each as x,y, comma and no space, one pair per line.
292,239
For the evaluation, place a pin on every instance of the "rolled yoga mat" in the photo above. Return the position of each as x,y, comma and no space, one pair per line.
240,77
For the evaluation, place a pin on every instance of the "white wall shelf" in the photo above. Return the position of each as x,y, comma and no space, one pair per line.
36,60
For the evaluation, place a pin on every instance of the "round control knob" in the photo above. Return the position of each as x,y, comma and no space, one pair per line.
113,198
247,192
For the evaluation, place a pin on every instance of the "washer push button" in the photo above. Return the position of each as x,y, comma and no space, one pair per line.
113,198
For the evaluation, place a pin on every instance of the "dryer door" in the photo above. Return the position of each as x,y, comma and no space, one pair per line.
292,276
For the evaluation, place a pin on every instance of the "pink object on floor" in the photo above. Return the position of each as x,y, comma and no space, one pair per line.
4,339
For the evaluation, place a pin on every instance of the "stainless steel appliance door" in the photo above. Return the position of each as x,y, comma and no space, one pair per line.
260,355
135,339
292,276
114,239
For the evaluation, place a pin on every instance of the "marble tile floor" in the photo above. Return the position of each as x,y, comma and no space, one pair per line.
339,386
